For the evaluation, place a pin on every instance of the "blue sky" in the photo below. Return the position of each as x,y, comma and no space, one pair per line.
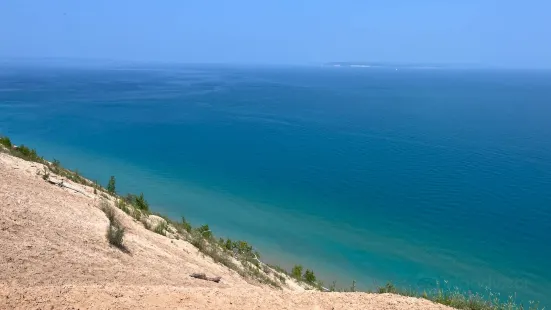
495,33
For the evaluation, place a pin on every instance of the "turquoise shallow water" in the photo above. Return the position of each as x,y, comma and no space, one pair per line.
373,175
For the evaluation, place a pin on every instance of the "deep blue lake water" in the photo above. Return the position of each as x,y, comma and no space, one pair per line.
361,174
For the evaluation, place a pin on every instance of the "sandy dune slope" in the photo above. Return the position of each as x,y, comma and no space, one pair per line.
54,255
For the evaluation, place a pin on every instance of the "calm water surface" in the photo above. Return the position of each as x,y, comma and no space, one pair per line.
373,175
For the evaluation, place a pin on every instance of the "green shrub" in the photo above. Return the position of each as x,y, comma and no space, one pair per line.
5,141
205,231
309,276
27,153
296,272
111,185
186,225
387,288
228,244
198,241
141,203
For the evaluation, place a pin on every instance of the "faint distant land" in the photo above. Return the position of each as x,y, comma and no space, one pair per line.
362,64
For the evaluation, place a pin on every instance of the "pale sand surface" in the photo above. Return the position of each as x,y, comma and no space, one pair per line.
54,255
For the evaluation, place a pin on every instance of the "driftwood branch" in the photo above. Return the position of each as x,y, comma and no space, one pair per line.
62,184
204,277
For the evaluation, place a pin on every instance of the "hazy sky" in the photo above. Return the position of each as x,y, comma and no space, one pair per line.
498,33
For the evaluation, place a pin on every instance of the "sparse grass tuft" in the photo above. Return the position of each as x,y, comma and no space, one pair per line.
46,174
145,222
161,228
26,153
123,206
115,235
186,225
136,214
115,231
461,300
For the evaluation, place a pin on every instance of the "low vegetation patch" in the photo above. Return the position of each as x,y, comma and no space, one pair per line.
458,299
26,153
161,228
6,142
115,231
111,186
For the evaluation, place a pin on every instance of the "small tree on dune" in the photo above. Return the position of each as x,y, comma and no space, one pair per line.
141,203
111,185
296,272
309,276
205,231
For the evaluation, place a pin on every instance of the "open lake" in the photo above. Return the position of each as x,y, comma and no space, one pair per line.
362,174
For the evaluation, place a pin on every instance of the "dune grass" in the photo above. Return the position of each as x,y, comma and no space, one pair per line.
115,231
455,298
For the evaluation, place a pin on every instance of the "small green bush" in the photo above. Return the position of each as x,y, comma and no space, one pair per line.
228,244
186,225
5,141
198,241
309,276
141,203
205,231
296,272
111,185
27,153
387,288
